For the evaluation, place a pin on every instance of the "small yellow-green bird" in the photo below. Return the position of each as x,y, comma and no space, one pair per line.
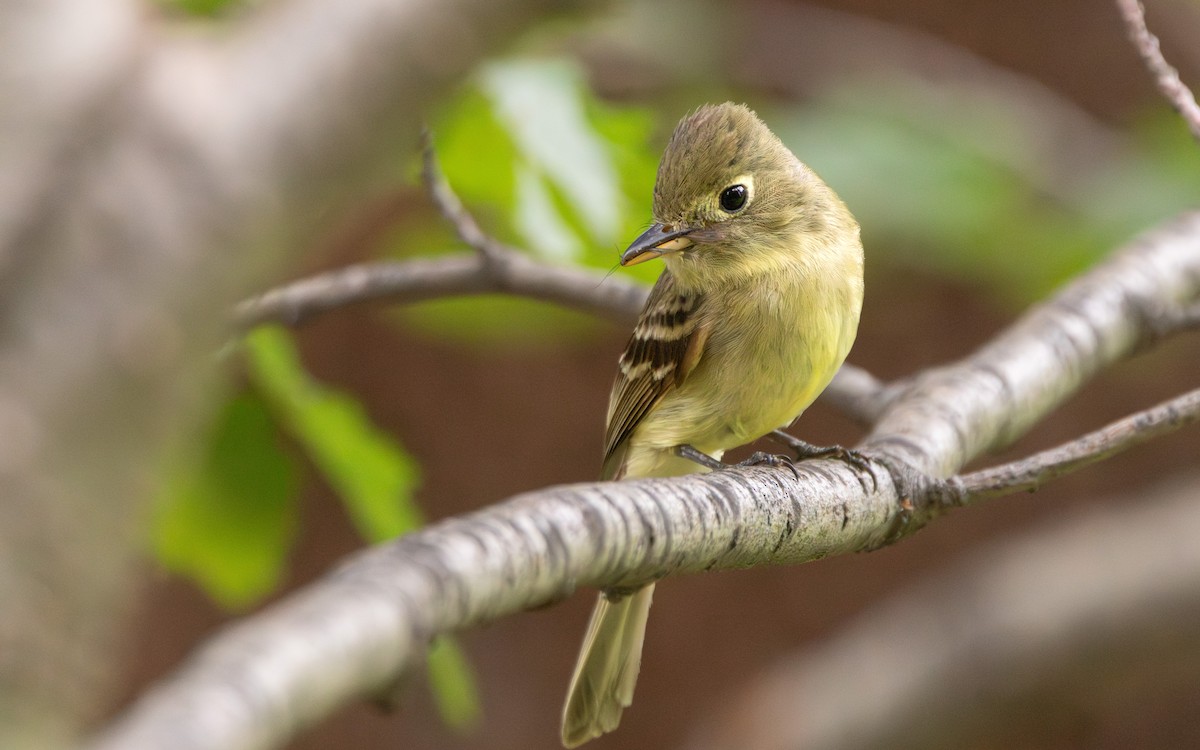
755,312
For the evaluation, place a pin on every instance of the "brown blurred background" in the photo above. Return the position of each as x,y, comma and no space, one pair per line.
486,423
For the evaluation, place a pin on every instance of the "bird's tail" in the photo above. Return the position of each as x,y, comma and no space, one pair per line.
607,670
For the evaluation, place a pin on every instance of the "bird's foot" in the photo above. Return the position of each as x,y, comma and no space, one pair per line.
805,450
705,460
773,460
758,459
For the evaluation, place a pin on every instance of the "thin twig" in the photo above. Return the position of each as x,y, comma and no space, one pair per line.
451,207
494,268
1029,473
1165,75
408,281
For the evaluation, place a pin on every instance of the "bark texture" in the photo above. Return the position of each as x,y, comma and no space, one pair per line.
351,634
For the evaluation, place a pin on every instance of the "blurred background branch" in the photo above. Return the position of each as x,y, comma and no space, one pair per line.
1165,74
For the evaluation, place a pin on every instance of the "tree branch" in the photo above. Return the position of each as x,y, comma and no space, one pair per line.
406,282
1179,320
451,208
1033,471
1165,75
952,414
1012,629
350,634
495,268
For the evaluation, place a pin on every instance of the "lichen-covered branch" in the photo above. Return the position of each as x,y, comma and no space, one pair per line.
352,633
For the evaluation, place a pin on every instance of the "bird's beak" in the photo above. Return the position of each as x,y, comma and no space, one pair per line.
656,241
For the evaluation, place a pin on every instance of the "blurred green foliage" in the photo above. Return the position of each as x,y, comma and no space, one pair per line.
960,191
203,8
227,519
558,172
371,473
373,476
544,165
453,685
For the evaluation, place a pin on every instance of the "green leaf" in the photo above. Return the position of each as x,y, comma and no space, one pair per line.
372,474
559,143
228,520
570,180
479,158
531,131
541,223
453,685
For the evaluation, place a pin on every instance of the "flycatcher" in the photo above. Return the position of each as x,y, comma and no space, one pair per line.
754,313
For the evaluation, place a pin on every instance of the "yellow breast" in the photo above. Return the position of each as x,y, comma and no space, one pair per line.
775,343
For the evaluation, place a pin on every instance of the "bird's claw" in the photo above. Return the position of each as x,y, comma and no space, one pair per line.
857,461
758,459
772,460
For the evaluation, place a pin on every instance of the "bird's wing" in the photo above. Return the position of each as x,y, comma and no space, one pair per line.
666,345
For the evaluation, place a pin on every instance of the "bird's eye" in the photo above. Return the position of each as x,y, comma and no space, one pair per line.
733,198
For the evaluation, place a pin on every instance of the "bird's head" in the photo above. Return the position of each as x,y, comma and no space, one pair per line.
728,190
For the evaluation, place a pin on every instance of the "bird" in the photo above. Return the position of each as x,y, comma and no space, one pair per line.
756,309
